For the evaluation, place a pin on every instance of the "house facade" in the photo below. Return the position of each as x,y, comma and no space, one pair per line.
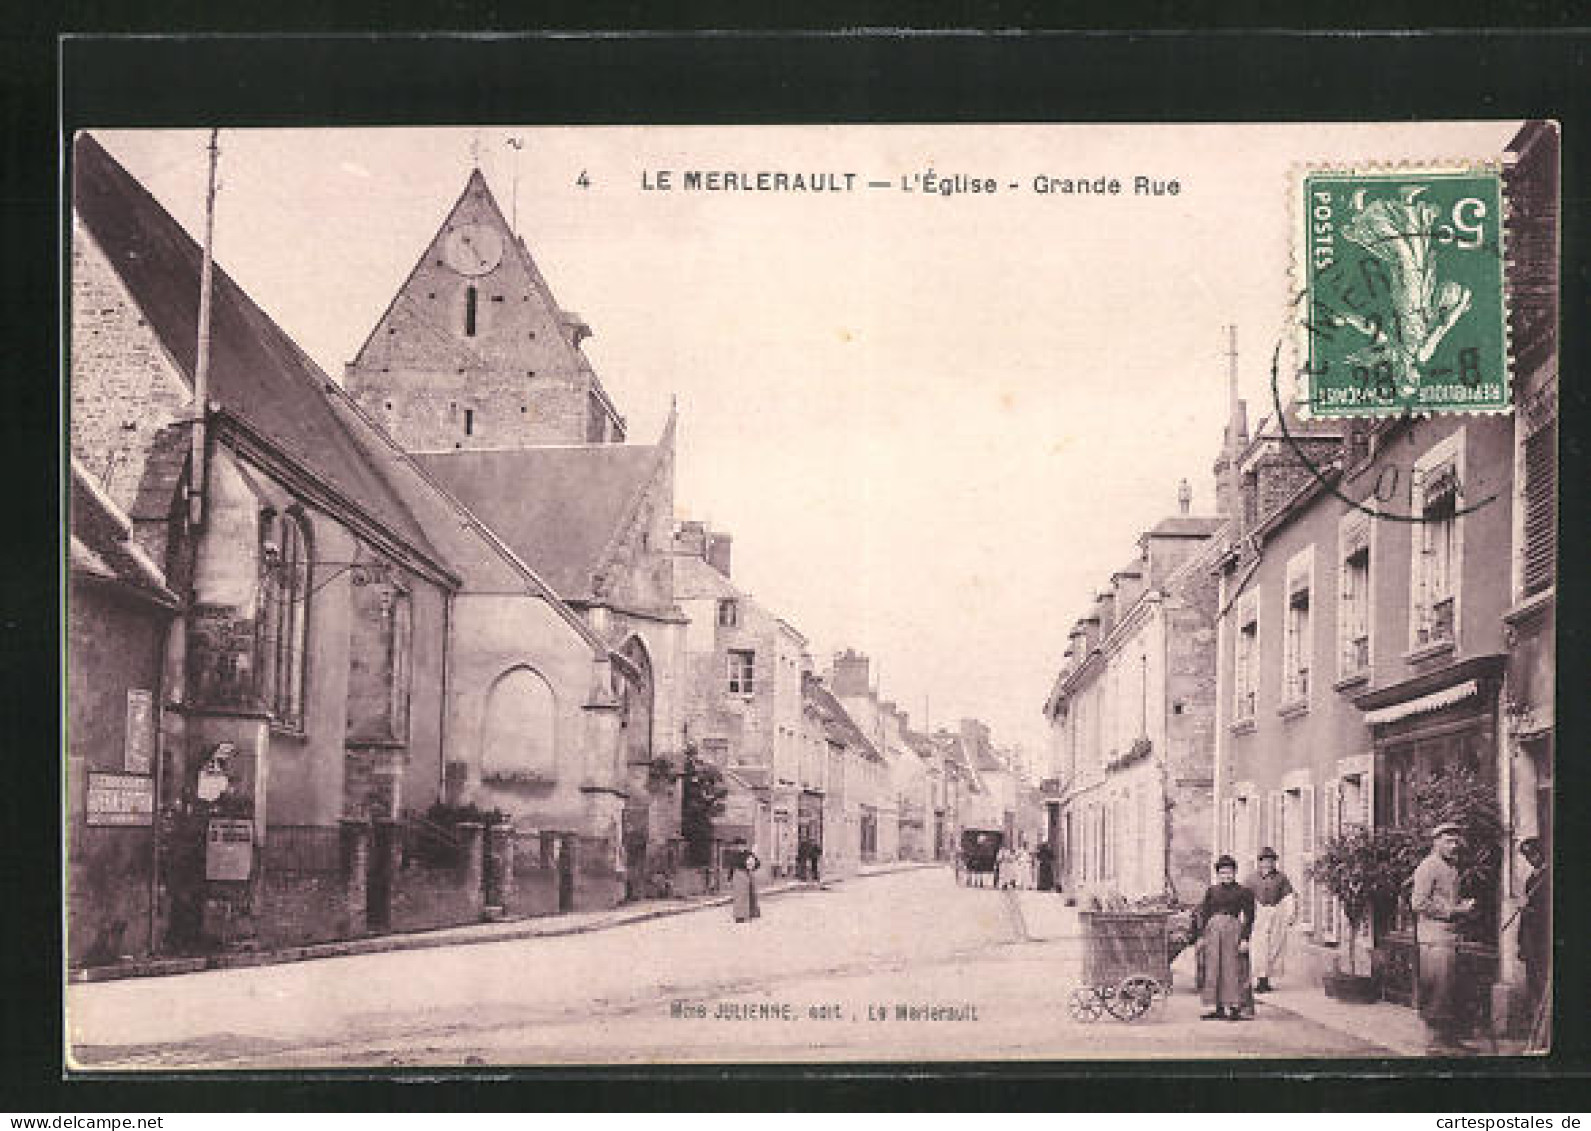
743,700
1132,722
1532,180
1390,616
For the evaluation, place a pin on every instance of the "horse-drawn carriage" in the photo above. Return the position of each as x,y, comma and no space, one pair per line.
978,856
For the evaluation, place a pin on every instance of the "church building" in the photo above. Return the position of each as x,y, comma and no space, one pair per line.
477,372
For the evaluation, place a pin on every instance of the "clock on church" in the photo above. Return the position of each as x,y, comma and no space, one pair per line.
473,249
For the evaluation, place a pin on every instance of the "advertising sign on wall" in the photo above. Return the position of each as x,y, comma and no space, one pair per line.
120,799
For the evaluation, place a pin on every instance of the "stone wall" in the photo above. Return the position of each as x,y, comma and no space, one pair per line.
124,386
517,371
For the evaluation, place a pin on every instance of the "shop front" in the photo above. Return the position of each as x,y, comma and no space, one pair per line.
1437,723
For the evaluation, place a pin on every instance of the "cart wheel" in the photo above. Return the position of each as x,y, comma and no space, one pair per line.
1085,1004
1136,996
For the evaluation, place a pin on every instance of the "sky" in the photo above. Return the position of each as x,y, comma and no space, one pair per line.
934,424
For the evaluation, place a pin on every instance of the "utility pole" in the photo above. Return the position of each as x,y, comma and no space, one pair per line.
201,364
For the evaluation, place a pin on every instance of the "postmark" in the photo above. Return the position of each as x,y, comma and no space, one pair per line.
1403,301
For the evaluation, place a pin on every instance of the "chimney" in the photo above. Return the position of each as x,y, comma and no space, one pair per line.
691,539
1105,610
1184,497
1089,626
851,674
718,546
1279,468
1128,585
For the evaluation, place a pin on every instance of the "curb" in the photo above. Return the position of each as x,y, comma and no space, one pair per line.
467,934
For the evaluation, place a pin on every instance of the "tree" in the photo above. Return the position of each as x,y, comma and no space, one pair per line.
702,793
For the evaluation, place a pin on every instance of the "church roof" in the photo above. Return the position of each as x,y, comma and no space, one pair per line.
558,508
257,373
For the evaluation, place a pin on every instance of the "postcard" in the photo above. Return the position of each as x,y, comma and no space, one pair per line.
829,593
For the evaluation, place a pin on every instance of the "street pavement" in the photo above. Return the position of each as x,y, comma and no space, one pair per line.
827,974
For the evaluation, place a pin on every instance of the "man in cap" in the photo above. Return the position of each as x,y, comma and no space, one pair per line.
1276,906
1438,908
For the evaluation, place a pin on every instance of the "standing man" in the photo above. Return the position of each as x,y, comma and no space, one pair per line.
1276,906
1535,922
1046,856
1438,910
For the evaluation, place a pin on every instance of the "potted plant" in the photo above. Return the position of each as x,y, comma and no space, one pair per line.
1363,868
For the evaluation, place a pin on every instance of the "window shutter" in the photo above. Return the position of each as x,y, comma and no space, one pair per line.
1327,925
1306,854
1541,539
1251,831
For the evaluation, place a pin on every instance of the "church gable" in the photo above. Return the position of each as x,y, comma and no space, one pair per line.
474,351
636,569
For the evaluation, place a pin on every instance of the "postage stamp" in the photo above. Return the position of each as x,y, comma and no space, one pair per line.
1403,306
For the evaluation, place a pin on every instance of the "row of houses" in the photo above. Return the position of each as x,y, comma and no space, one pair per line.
1372,603
418,647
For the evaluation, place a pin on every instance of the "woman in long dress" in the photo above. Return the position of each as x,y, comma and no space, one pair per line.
1224,922
742,863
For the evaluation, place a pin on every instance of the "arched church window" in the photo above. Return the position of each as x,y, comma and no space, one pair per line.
518,738
283,623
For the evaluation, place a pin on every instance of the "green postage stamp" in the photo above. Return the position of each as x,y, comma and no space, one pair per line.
1403,292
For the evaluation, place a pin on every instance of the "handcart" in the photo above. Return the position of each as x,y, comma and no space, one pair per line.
1126,964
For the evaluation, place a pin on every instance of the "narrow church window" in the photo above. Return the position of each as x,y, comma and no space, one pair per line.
469,311
469,422
497,298
284,619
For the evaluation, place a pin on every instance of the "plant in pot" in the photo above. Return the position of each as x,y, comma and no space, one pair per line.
1369,869
1363,868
